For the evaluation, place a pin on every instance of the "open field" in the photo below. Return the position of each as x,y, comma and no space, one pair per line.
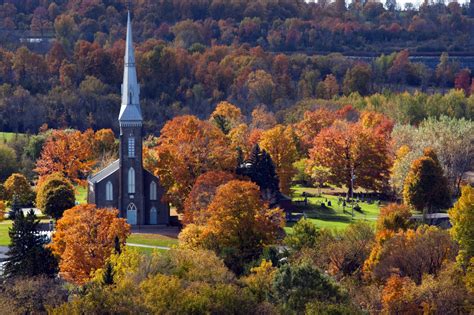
334,216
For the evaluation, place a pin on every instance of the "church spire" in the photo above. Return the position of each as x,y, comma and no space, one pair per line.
130,112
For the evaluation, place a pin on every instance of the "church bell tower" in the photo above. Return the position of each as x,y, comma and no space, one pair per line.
131,190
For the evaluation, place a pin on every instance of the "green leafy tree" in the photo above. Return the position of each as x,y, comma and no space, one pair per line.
296,285
27,255
357,79
55,195
462,218
8,162
425,187
305,234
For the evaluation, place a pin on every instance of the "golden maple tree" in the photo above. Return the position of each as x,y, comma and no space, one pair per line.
280,143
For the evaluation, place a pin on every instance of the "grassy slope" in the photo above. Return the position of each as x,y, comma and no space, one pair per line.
333,217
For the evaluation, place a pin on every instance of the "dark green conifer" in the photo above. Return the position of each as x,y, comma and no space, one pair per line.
27,255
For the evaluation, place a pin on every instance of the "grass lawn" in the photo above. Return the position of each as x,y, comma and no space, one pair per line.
4,238
152,239
146,250
8,136
81,194
333,217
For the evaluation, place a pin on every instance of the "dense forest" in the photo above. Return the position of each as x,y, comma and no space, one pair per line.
61,61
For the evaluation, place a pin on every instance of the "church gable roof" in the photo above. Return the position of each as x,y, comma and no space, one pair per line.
105,172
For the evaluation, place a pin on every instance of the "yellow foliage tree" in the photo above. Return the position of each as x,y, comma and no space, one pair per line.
280,143
17,185
226,116
462,218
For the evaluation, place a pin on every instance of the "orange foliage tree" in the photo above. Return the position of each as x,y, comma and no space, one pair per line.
280,143
394,217
239,225
202,194
410,253
351,148
312,124
187,148
84,239
69,153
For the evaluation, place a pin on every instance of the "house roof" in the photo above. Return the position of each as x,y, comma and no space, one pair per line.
105,172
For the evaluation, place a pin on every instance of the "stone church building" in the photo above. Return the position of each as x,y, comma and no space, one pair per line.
125,184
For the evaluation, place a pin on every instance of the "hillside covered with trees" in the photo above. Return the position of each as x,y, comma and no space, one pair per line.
61,61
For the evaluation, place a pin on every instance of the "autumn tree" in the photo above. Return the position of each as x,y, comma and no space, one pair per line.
188,147
394,217
54,195
262,118
328,88
348,149
104,141
85,237
18,187
312,124
226,116
69,153
27,255
412,253
425,186
261,87
462,216
239,225
280,143
201,195
462,81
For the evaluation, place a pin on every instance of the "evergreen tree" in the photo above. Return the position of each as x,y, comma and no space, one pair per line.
426,187
261,170
27,255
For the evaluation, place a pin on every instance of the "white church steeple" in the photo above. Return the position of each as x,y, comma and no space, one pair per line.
130,112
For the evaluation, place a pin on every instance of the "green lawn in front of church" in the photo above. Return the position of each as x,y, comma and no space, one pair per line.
81,194
152,239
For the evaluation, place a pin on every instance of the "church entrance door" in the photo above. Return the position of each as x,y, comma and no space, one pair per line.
132,214
153,216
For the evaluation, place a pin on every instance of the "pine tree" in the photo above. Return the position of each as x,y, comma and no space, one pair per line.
262,172
27,255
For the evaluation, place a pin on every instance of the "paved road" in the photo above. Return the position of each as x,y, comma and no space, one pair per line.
147,246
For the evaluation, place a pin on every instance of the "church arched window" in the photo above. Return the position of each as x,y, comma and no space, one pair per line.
131,180
109,191
152,191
